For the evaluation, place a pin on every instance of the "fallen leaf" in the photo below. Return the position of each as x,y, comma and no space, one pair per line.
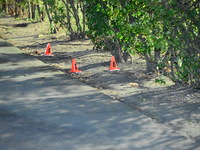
40,35
134,84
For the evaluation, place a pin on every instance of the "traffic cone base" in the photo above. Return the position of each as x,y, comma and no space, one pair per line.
48,51
74,68
114,69
48,55
113,64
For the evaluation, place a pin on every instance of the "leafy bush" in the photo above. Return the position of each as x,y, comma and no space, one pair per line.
164,32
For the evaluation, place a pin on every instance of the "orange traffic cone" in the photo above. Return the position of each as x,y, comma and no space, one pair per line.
48,50
113,64
74,68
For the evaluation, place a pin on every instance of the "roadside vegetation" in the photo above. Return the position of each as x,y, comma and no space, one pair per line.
164,33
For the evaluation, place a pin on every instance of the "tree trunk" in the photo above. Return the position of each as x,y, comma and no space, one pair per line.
149,64
16,9
6,1
126,56
76,16
118,53
75,12
84,20
52,26
40,13
33,10
68,17
29,9
157,55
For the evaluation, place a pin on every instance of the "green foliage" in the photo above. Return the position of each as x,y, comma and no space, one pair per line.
166,33
160,81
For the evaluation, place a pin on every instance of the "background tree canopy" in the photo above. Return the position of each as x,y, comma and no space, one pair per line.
166,33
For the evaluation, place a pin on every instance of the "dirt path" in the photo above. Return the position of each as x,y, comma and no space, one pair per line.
176,107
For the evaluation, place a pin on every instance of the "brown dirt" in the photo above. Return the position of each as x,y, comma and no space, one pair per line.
176,107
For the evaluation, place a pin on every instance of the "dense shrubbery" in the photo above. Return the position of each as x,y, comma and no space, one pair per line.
165,33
